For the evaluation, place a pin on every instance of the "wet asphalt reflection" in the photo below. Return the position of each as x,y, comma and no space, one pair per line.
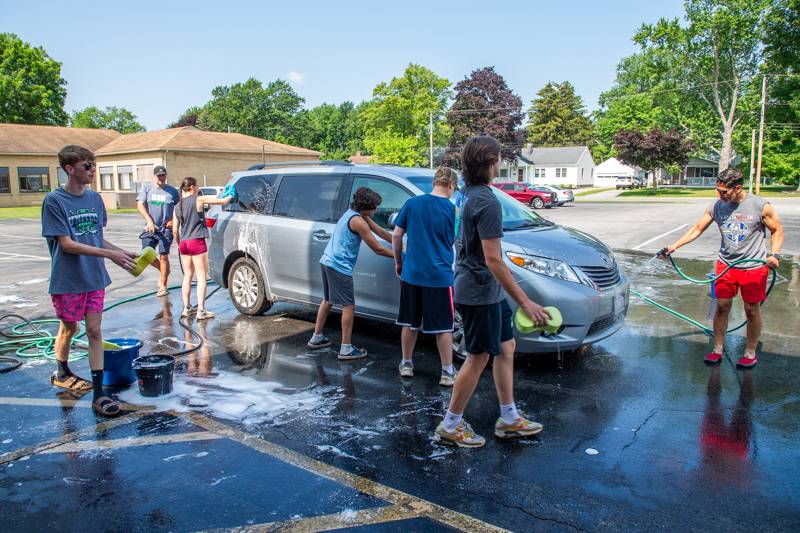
639,433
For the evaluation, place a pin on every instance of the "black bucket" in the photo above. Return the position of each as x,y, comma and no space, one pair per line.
154,374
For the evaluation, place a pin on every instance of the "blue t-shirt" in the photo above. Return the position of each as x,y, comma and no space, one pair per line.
82,218
160,202
429,223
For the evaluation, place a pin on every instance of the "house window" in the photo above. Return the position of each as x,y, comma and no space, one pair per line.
538,173
561,172
34,179
558,172
61,176
125,177
520,174
144,174
106,178
5,184
503,172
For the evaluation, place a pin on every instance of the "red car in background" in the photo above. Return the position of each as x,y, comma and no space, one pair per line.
536,198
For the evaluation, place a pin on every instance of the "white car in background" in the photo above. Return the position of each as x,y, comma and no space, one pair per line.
563,196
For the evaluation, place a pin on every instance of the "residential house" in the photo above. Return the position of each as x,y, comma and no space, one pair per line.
570,166
698,172
607,172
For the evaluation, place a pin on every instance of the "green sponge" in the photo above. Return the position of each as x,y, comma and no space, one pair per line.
525,325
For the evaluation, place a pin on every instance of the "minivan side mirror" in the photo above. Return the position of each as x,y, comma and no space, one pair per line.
392,219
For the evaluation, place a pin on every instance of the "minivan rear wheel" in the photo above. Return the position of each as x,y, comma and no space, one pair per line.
246,287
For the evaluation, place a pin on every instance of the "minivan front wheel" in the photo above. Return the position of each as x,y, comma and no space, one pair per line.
246,287
537,203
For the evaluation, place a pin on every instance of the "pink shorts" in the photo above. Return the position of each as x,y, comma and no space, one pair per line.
193,247
73,307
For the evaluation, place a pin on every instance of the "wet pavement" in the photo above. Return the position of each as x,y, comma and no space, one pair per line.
260,433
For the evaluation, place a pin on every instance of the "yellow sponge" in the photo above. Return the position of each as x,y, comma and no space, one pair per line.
148,256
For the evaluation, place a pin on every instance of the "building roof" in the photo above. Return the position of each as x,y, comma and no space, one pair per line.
49,140
359,159
551,156
189,138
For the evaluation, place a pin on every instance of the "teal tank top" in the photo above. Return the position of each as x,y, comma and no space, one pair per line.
341,252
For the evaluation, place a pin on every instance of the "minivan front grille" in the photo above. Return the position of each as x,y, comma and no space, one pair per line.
603,277
601,325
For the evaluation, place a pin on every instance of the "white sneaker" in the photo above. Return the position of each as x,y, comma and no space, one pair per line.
406,369
204,314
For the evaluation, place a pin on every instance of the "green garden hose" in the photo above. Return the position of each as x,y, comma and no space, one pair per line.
681,273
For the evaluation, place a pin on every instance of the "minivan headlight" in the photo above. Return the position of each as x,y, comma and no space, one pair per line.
545,266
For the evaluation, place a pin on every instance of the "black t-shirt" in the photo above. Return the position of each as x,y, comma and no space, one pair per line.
481,218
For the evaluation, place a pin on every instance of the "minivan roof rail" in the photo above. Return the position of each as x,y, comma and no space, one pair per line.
325,163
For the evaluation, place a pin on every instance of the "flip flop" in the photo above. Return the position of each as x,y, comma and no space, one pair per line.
105,406
162,292
72,383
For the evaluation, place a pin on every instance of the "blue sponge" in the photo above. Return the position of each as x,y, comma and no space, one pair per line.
229,190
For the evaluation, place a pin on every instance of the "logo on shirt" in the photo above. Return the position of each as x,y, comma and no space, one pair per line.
83,221
735,232
159,199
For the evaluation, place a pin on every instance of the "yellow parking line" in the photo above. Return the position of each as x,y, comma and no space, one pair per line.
394,496
90,445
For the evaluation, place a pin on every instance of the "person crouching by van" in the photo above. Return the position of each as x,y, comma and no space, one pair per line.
189,221
338,262
426,276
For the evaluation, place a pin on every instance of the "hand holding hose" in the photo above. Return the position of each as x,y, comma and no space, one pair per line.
665,252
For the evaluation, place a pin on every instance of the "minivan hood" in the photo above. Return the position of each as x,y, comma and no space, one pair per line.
559,242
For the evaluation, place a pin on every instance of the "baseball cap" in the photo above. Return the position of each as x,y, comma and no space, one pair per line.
160,169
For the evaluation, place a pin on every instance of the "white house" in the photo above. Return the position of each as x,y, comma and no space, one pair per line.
572,166
607,172
698,172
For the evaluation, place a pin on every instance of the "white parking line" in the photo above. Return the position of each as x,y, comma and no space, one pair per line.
645,243
26,256
9,236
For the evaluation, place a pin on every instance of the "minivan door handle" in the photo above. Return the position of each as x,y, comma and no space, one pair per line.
321,235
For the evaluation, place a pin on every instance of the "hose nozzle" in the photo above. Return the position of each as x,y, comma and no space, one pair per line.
663,253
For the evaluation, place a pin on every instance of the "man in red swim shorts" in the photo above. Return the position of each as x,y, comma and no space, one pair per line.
742,220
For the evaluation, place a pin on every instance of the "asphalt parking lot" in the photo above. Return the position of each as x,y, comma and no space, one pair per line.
263,435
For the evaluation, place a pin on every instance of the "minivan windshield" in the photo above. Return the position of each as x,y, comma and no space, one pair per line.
515,215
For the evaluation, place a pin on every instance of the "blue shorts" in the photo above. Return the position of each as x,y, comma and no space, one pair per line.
486,327
161,240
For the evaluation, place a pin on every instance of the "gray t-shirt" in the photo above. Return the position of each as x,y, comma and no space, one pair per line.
742,230
192,222
82,218
160,202
481,218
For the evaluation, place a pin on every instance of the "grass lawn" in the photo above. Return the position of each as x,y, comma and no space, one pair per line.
782,192
594,191
35,211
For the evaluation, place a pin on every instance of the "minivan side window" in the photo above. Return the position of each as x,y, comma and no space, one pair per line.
313,197
256,194
393,197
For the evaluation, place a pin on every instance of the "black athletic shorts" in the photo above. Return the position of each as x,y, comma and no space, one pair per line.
426,309
337,288
485,327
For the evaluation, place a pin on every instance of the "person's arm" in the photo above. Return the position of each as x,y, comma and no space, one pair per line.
773,223
360,226
213,200
149,224
176,228
109,251
375,228
501,272
692,233
397,249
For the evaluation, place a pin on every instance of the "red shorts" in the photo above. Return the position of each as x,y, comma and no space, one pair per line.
753,283
73,307
192,247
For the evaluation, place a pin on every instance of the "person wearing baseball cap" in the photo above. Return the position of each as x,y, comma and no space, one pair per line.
156,202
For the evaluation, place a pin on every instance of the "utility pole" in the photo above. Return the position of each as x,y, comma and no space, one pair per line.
752,160
761,132
430,127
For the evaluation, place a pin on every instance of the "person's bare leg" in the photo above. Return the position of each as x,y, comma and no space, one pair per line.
408,339
721,322
186,285
503,372
322,316
200,263
164,269
66,331
348,313
94,334
753,313
466,381
444,342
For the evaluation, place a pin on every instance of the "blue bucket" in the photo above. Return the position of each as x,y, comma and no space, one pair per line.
117,368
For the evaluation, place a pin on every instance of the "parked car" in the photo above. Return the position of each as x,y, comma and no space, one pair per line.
208,190
528,194
627,182
266,246
563,196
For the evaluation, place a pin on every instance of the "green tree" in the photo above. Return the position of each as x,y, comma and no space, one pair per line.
396,122
328,130
187,118
250,108
652,151
112,118
557,117
32,90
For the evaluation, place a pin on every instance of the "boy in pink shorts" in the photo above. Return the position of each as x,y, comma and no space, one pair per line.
73,218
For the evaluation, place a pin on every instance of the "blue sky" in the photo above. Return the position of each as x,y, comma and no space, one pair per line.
158,58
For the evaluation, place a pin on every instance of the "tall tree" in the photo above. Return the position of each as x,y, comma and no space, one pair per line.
32,90
557,117
113,118
250,108
397,121
187,118
328,130
484,104
653,151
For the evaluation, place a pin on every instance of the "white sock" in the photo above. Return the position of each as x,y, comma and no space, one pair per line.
509,413
409,362
316,337
449,368
451,420
346,348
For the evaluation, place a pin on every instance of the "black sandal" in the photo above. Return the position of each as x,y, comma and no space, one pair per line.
105,406
71,383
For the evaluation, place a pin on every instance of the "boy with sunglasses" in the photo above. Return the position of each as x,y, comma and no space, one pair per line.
742,220
73,217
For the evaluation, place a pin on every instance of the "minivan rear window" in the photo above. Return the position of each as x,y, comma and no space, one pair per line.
255,194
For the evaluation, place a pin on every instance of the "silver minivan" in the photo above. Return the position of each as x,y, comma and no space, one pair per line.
266,247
